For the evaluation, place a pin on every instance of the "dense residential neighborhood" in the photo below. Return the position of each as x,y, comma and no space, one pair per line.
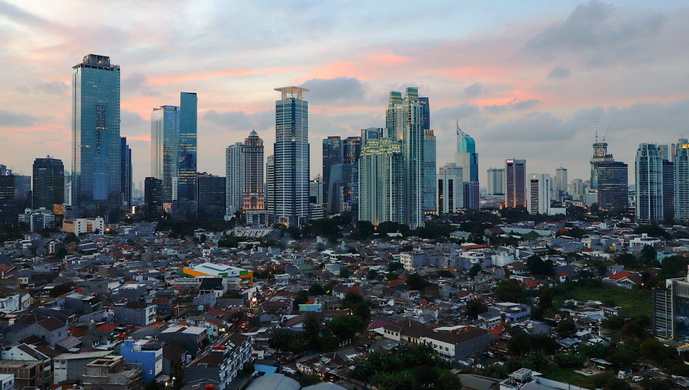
469,300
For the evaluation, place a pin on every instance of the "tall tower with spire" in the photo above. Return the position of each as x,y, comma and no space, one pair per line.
600,155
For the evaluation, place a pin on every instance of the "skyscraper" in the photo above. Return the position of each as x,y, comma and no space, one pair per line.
466,156
668,189
560,184
48,182
291,153
210,196
164,147
381,182
153,196
429,163
600,155
234,175
405,120
649,183
125,173
252,173
351,149
332,155
270,188
96,136
539,193
515,183
371,133
173,151
496,181
186,161
681,183
8,200
612,185
450,188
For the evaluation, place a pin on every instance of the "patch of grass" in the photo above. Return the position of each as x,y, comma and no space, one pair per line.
634,302
567,375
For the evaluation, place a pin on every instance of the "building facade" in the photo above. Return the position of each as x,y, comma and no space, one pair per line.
496,181
153,196
560,184
164,146
612,185
515,183
681,182
291,157
211,196
332,155
233,173
429,168
540,185
450,188
252,173
381,177
48,183
96,136
649,183
125,173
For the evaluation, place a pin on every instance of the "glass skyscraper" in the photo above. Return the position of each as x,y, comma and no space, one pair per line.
252,173
291,157
649,183
95,136
429,164
233,173
48,183
681,166
381,182
515,183
173,151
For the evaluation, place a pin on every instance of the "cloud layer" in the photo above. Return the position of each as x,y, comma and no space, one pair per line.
524,80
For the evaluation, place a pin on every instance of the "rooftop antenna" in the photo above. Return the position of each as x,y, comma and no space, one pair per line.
606,133
596,131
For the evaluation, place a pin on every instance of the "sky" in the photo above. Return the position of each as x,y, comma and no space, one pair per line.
526,79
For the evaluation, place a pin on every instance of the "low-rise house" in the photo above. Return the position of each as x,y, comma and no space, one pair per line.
69,367
141,352
222,362
135,313
112,373
26,373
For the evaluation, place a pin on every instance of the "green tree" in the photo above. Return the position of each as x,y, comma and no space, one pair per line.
352,299
537,266
416,282
394,266
474,308
177,375
474,270
345,272
566,327
345,327
312,329
545,299
363,231
301,298
648,254
372,274
316,289
510,291
425,377
363,311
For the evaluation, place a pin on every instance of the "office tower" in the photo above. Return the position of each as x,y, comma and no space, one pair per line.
48,182
404,120
270,188
471,195
164,146
252,173
342,188
560,184
425,113
210,196
125,173
665,153
233,173
316,198
670,307
22,192
96,136
668,189
186,162
515,183
576,189
681,182
429,163
173,151
496,181
466,156
351,149
600,155
612,186
8,201
450,188
371,133
381,182
332,155
539,185
649,183
153,196
291,154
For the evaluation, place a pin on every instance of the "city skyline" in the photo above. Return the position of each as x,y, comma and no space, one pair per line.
523,82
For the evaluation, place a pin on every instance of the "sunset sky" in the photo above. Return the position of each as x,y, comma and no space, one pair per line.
526,79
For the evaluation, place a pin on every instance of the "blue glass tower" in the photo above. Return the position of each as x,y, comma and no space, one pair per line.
291,156
95,136
186,157
466,156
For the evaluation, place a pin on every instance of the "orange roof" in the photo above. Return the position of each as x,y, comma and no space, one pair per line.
620,275
530,283
497,330
108,327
